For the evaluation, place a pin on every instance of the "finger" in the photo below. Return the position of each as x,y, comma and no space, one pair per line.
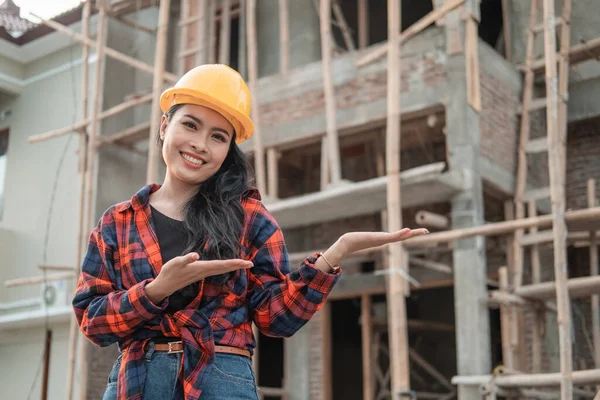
223,264
186,258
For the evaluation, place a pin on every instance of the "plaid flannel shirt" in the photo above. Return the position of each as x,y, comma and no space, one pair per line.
123,256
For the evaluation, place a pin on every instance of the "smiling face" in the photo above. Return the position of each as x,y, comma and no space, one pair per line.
196,141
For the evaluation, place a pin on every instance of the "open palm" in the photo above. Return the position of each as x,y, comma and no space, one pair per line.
356,241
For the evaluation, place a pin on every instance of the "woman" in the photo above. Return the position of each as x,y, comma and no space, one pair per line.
177,274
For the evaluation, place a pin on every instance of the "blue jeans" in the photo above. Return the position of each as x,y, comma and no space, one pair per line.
230,377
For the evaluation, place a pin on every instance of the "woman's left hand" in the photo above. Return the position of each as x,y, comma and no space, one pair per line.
355,241
352,242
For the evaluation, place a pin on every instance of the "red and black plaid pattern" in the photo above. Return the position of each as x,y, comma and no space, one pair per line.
123,256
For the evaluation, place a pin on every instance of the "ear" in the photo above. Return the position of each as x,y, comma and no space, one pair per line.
163,127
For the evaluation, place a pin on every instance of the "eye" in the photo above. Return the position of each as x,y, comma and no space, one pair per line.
189,125
219,137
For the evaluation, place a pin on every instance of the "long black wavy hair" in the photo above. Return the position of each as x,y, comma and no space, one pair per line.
214,216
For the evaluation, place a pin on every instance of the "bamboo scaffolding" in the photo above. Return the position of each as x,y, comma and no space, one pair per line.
500,228
225,36
83,143
284,36
128,133
79,126
272,172
259,156
431,370
539,315
341,22
159,72
594,271
432,265
212,34
432,220
397,328
366,326
583,377
117,55
201,31
332,145
411,31
363,24
47,267
577,287
90,167
34,280
557,188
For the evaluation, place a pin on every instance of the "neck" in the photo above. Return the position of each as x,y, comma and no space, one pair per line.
172,196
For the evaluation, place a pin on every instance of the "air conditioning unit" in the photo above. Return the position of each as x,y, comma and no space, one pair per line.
54,294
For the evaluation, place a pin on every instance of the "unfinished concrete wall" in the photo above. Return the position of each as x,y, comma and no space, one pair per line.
292,107
304,35
50,99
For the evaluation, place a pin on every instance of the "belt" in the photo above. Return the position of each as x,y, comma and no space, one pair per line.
177,347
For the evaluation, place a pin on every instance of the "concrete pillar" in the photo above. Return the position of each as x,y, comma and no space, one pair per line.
297,364
305,46
473,347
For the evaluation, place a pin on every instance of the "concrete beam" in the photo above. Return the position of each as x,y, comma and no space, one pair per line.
583,103
421,185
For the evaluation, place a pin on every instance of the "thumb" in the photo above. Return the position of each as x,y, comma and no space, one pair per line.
189,258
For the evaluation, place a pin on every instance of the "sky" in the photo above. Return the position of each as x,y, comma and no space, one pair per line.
44,8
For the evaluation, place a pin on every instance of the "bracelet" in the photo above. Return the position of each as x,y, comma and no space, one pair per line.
333,268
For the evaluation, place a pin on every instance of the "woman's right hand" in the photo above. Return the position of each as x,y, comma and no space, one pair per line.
184,270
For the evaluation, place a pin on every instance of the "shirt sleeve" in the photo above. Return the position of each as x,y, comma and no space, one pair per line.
282,301
106,314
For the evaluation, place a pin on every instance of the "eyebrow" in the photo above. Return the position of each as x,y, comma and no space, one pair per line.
216,128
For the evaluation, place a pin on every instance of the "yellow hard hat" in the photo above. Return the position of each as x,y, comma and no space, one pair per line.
218,87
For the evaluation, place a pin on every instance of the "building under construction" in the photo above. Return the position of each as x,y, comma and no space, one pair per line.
477,119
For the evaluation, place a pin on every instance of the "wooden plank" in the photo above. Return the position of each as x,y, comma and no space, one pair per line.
160,59
284,36
333,147
225,36
411,31
594,271
558,203
366,326
259,155
363,24
397,328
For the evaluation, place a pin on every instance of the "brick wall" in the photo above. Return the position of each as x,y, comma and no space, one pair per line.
100,362
499,124
363,89
583,161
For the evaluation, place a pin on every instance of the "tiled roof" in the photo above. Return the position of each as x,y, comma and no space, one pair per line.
14,23
10,18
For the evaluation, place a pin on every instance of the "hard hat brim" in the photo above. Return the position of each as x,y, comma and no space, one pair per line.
242,124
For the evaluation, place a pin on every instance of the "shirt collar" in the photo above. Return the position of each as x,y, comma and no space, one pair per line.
139,200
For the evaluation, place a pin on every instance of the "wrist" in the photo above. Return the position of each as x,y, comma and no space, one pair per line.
155,292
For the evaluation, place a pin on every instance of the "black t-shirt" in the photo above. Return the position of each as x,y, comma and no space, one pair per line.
172,239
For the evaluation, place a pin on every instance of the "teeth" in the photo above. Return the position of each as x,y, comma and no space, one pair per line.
192,159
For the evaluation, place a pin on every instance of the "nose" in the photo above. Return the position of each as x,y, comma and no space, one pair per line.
199,142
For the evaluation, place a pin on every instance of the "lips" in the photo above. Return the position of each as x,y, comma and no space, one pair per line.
192,159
